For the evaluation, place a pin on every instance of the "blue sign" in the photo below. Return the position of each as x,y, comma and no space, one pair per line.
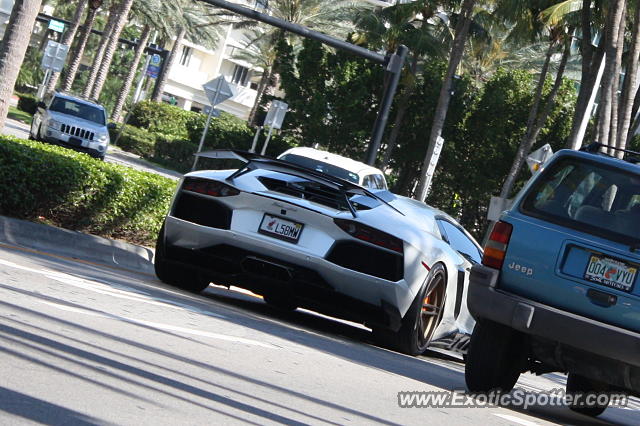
153,71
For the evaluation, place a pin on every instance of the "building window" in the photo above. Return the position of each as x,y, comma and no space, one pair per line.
185,58
262,4
240,75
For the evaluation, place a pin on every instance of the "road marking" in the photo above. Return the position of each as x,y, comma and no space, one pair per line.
515,419
120,291
166,327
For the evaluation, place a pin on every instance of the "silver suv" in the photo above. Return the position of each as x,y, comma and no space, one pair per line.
72,122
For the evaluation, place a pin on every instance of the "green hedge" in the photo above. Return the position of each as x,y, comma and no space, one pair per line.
135,140
27,103
161,118
74,191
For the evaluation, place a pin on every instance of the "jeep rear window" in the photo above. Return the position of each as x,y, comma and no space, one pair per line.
78,109
589,197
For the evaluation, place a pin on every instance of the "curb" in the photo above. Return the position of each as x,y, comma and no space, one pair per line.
76,244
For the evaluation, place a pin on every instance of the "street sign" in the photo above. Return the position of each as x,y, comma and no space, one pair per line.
537,158
218,90
153,69
275,116
54,56
56,26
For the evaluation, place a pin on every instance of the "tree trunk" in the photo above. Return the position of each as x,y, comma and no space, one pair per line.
457,50
617,68
13,47
524,146
530,138
631,84
611,49
403,106
67,39
104,40
158,90
588,73
128,82
78,52
264,80
112,45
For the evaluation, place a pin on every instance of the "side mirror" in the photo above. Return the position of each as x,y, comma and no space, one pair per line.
41,104
111,126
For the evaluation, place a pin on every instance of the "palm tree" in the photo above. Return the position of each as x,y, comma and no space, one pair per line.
630,87
440,115
333,17
528,28
14,46
196,25
68,37
121,19
78,51
104,40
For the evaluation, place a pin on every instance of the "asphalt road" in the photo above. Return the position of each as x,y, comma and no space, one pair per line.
82,343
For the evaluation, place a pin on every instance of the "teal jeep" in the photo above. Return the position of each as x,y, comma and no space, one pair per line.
557,288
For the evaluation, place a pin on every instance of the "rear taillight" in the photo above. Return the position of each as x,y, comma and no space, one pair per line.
496,248
370,235
209,187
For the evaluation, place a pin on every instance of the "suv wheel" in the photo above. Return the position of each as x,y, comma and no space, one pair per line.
582,388
495,359
175,275
422,318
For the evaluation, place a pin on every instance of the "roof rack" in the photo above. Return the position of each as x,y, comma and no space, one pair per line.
595,147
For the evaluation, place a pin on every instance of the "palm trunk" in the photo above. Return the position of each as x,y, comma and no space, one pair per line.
457,50
604,120
617,67
67,39
158,90
128,82
104,40
530,139
266,75
107,58
403,106
524,146
78,52
587,78
631,84
13,48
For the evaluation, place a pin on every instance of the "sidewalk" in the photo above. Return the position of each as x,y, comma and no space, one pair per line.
76,245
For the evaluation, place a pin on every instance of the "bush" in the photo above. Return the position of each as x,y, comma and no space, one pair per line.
72,190
27,103
175,153
161,118
135,140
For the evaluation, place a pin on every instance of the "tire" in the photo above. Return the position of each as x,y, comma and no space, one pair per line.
580,385
175,275
422,318
495,358
280,302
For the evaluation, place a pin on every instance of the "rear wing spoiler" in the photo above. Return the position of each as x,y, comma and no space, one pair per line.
255,161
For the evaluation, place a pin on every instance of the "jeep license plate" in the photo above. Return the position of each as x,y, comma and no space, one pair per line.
277,227
74,141
611,273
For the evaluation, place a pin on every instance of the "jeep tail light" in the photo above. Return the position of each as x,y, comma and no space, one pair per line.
496,248
370,235
209,187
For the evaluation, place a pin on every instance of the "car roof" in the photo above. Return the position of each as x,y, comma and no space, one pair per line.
78,98
335,159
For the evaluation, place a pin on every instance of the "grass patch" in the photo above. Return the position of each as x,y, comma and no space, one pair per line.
21,116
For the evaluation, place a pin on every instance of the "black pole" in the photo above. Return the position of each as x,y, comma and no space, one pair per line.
299,29
394,68
393,63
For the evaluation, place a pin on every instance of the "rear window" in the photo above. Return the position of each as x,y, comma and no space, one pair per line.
321,166
590,197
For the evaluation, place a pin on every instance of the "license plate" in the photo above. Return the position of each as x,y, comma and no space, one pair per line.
75,141
611,272
277,227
